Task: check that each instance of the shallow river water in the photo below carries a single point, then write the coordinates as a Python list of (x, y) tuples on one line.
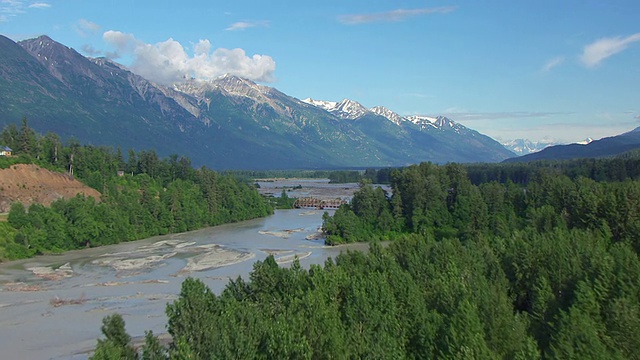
[(51, 307)]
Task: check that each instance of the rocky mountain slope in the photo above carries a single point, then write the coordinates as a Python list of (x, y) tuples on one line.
[(226, 123), (447, 139)]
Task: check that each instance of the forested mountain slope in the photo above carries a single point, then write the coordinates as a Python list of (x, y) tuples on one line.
[(225, 123)]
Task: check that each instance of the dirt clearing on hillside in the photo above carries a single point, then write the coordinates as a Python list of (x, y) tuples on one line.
[(28, 184)]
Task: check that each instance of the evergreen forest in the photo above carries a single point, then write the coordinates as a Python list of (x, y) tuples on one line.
[(465, 262), (142, 196)]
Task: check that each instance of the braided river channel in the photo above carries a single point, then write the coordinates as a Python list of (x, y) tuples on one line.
[(51, 307)]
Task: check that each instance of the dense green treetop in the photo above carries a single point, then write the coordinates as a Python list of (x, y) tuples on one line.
[(545, 268), (142, 196)]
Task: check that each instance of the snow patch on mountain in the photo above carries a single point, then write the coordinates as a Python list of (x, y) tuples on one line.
[(384, 112), (349, 109), (423, 120), (345, 109), (234, 86), (327, 105), (586, 141), (441, 123), (231, 84), (526, 146)]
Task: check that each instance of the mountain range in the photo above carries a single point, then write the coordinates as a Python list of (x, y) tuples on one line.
[(226, 123), (605, 147), (526, 146)]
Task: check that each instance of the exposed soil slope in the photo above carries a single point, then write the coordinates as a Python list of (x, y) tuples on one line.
[(28, 184)]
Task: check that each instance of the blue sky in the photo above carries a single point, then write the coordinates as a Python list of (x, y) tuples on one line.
[(510, 69)]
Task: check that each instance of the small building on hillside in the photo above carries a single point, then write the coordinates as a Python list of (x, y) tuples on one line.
[(5, 151)]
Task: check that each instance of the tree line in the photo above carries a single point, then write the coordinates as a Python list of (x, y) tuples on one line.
[(549, 269), (142, 196), (562, 246), (375, 176), (617, 168)]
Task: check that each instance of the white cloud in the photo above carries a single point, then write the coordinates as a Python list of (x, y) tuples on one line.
[(392, 16), (40, 5), (85, 27), (121, 41), (601, 49), (557, 61), (241, 25), (202, 47), (167, 62), (10, 8), (90, 50)]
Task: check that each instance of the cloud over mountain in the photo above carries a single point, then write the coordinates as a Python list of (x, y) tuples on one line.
[(85, 27), (168, 62)]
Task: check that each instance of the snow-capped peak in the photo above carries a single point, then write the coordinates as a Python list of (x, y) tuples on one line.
[(349, 109), (327, 105), (420, 119), (384, 112), (237, 85), (440, 123), (230, 83), (526, 146), (346, 109), (586, 141)]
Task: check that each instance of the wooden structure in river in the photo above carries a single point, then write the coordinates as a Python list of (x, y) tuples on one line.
[(310, 202)]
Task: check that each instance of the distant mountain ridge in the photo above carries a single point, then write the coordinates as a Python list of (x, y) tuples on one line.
[(349, 109), (229, 122), (609, 146), (526, 146)]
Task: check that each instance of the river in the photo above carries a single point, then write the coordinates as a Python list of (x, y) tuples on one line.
[(51, 307)]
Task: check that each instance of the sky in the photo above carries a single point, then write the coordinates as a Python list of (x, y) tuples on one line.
[(562, 70)]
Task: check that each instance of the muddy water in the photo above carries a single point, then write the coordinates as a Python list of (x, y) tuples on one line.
[(318, 188), (52, 306)]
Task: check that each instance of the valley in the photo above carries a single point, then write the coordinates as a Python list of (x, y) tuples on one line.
[(319, 180), (137, 279), (225, 123)]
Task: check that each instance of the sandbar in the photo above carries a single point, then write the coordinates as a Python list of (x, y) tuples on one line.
[(281, 234)]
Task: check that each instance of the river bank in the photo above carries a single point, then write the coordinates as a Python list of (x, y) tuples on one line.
[(52, 306)]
